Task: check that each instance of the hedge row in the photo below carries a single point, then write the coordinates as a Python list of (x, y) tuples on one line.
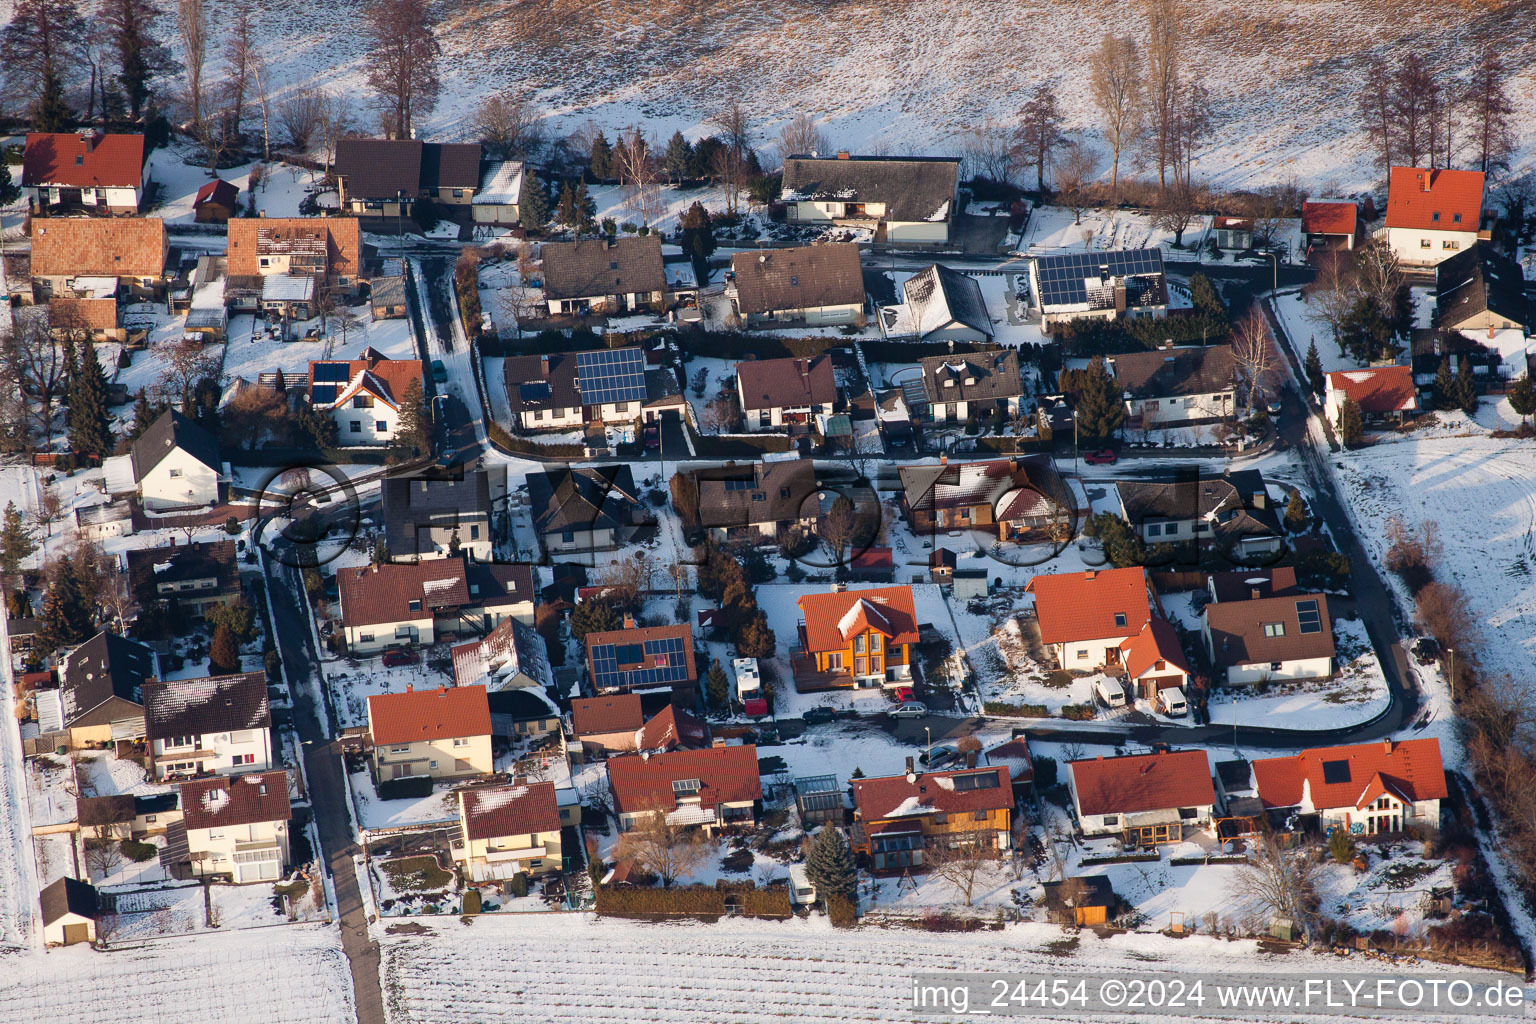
[(1005, 709), (503, 438), (413, 787), (693, 901)]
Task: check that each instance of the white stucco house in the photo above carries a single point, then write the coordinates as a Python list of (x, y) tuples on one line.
[(1366, 789), (1269, 639), (237, 827), (1432, 214), (1145, 799), (220, 725), (1086, 618), (905, 200), (364, 396), (176, 464)]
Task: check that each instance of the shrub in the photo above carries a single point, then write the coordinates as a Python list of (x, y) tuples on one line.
[(1007, 710), (139, 852), (519, 884), (412, 788), (1077, 712), (1341, 846), (273, 663), (232, 526), (842, 912), (1412, 556)]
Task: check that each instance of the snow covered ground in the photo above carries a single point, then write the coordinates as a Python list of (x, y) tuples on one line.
[(1357, 694)]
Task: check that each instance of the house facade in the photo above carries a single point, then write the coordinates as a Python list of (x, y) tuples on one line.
[(70, 910), (1330, 224), (1233, 511), (789, 392), (499, 198), (813, 286), (1432, 214), (94, 171), (564, 390), (388, 177), (855, 639), (604, 276), (176, 464), (1021, 498), (1270, 639), (1145, 799), (220, 725), (757, 501), (1480, 292), (296, 254), (1176, 386), (366, 397), (1085, 618), (654, 660), (584, 508), (714, 788), (115, 256), (1365, 789), (902, 200), (607, 725), (962, 387), (504, 830), (237, 827), (191, 578), (438, 517), (1384, 394), (401, 603), (938, 304), (443, 733), (1123, 283), (1154, 660), (100, 697), (900, 820)]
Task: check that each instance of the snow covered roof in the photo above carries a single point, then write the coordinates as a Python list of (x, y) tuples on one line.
[(501, 184), (94, 287), (287, 288)]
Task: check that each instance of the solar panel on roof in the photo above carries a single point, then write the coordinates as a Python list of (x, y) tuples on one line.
[(534, 391), (1063, 278), (322, 394), (611, 375), (335, 372)]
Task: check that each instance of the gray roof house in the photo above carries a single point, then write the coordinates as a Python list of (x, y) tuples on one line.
[(938, 304), (958, 387), (907, 200), (1233, 510), (1171, 386), (584, 508), (812, 285), (423, 515), (757, 499), (176, 463), (101, 689), (599, 275)]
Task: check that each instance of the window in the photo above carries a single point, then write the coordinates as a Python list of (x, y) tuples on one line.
[(79, 160), (1450, 245), (1423, 243), (941, 819), (380, 426), (835, 661), (1154, 530), (975, 780), (150, 819), (1435, 216), (1274, 629), (365, 638), (405, 632), (1188, 813), (874, 641), (1082, 655), (243, 759), (179, 741), (859, 668), (686, 787), (414, 604), (1111, 819), (1170, 529), (535, 863), (1120, 618), (400, 750), (460, 741), (362, 402), (858, 644), (474, 533), (175, 473), (458, 193), (568, 536), (1274, 666), (978, 815), (432, 765), (1455, 218), (1188, 402), (357, 426), (794, 282)]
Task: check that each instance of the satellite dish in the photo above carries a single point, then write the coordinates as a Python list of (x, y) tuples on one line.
[(911, 777)]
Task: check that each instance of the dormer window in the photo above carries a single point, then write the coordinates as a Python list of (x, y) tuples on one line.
[(414, 604), (1455, 218), (1435, 216)]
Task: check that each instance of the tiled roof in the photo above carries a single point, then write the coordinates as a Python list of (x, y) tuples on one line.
[(450, 165), (169, 431), (67, 313), (643, 783), (594, 266), (1188, 370), (381, 594), (447, 712), (98, 247), (412, 504), (379, 168), (385, 379), (216, 191), (343, 241), (83, 161), (638, 638), (1434, 199), (620, 712), (671, 728), (67, 895), (911, 189), (1378, 389), (937, 296), (1478, 280), (807, 277), (541, 382), (582, 498), (1143, 782), (1156, 642), (1012, 487), (1236, 505), (1342, 776), (1015, 756), (789, 383), (1076, 606), (222, 802), (832, 619), (195, 707), (759, 492), (993, 376), (105, 666), (1237, 630), (1239, 586), (491, 812), (500, 584), (200, 560), (892, 796), (1325, 218)]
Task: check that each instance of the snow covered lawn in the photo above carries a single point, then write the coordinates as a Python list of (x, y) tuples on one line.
[(353, 681), (376, 812), (1357, 694)]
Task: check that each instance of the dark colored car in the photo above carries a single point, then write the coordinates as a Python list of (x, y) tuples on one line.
[(439, 372), (394, 659), (1100, 457), (819, 714)]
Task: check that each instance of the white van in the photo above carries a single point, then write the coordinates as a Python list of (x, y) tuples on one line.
[(801, 892), (1172, 702), (1110, 693)]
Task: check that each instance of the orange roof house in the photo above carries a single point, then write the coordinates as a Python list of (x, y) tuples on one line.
[(849, 636), (1085, 616), (1146, 798), (1366, 787), (1381, 392), (295, 244), (1330, 223), (711, 787), (897, 817), (1154, 659), (99, 171), (441, 733), (121, 247), (1441, 199)]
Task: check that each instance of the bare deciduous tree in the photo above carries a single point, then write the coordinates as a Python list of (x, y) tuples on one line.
[(1333, 292), (1283, 881), (186, 363), (32, 358), (192, 33), (1441, 611), (1076, 169), (301, 116), (1188, 130), (722, 413), (1179, 207), (666, 850), (1165, 41), (1415, 94), (637, 173), (1040, 131), (402, 54), (510, 127), (961, 859), (215, 138), (1490, 111), (989, 152), (1116, 84), (103, 858), (240, 57), (801, 137), (1253, 352), (1375, 109), (337, 125)]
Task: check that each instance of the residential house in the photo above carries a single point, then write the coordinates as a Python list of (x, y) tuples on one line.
[(670, 729), (388, 177), (1145, 799), (111, 256), (1232, 232), (903, 200), (571, 389), (1251, 584), (215, 202), (1384, 394), (811, 286), (1365, 788), (495, 661), (855, 639), (237, 827), (604, 276), (401, 603), (437, 517), (386, 298), (507, 830), (789, 392), (585, 508), (820, 800), (1154, 660), (443, 733), (1085, 618), (70, 909), (283, 264), (1431, 214), (221, 724), (713, 788), (100, 698), (524, 713), (654, 661), (95, 171), (499, 591), (191, 578), (607, 725), (1233, 511), (1479, 292), (1098, 286), (1176, 386), (499, 198), (365, 396), (899, 820), (938, 304), (758, 501), (1269, 639), (176, 464), (959, 388), (82, 319), (154, 815), (1020, 498), (1015, 756), (1330, 223)]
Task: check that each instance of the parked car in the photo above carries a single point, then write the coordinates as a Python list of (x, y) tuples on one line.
[(911, 709), (1425, 650), (818, 715), (903, 695), (439, 371), (1273, 408), (1110, 693), (938, 756), (394, 659), (1171, 702), (1100, 457)]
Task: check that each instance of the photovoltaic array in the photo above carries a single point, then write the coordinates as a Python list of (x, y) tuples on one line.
[(611, 375), (1064, 279)]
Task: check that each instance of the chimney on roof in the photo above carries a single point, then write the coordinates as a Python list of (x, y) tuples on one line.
[(90, 141), (1425, 179), (261, 213), (1386, 744), (718, 741), (629, 622), (909, 766), (943, 460), (1090, 574), (410, 688), (1260, 499), (842, 154), (1256, 593), (442, 690)]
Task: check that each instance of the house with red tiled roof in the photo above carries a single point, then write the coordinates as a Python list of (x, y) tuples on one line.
[(1145, 799), (443, 733), (1432, 214), (1366, 788), (672, 728), (90, 257), (789, 392), (90, 170), (237, 827), (397, 604), (1085, 617), (1154, 660), (365, 396), (1269, 639), (1330, 223), (855, 638), (653, 661), (215, 202), (504, 830), (1385, 394), (606, 725), (711, 788), (898, 819)]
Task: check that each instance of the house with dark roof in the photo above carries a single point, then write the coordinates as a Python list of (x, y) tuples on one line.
[(1176, 386), (855, 638), (1251, 584), (191, 578), (608, 724), (523, 713), (505, 830), (585, 508), (365, 396), (1432, 213), (1015, 756), (1021, 498), (106, 817), (499, 591), (91, 256), (1366, 788), (1145, 799), (1233, 511), (1085, 618), (1383, 394), (401, 603), (387, 177), (100, 695), (176, 464), (713, 788), (443, 733), (603, 275), (220, 725), (938, 304), (496, 661), (757, 501), (1479, 290), (809, 286), (1269, 639), (70, 910), (903, 200), (95, 171), (959, 388), (215, 202), (1127, 283), (437, 517), (1232, 232), (788, 392), (562, 390), (899, 819), (1330, 223), (656, 662), (237, 828)]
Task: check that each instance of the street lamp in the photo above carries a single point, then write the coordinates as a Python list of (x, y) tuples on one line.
[(1274, 264), (1451, 653), (929, 755)]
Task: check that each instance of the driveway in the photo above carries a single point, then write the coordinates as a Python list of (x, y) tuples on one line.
[(980, 236)]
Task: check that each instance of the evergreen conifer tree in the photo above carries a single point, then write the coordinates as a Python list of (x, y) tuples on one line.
[(16, 543), (1446, 395), (533, 211), (223, 652), (90, 432), (1314, 369), (676, 159), (413, 432), (52, 113), (1351, 425), (1466, 388), (1100, 404), (717, 687), (1522, 397), (9, 190), (1295, 513), (829, 865), (66, 620), (601, 158)]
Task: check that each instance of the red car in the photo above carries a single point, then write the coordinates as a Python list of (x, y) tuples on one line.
[(1101, 457), (903, 695), (394, 659)]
